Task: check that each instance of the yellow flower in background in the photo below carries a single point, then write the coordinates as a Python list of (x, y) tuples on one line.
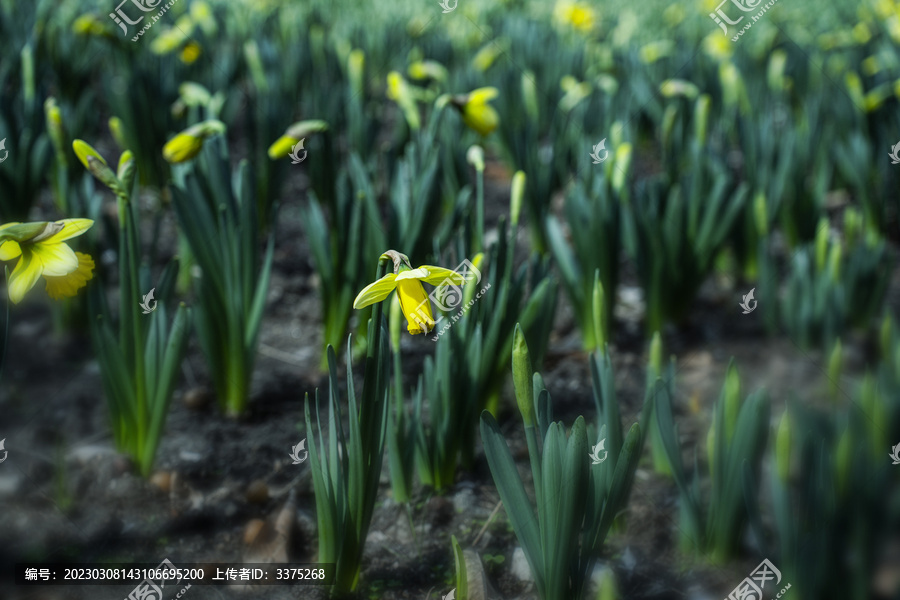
[(190, 53), (284, 145), (90, 24), (402, 93), (188, 144), (578, 16), (476, 112), (42, 252), (408, 283), (717, 46)]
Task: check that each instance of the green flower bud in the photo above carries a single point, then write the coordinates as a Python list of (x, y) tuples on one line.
[(125, 171), (53, 119), (117, 129), (522, 377), (622, 162), (95, 164), (775, 73), (671, 88), (598, 305), (475, 157), (356, 67)]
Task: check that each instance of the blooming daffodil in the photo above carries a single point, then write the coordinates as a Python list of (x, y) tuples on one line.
[(42, 251), (408, 283), (476, 112)]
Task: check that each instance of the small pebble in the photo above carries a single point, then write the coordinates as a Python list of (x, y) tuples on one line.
[(257, 492)]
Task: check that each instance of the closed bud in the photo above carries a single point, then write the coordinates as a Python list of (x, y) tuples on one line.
[(125, 171), (53, 119), (117, 129), (522, 377), (356, 66), (475, 157), (598, 305), (95, 164), (821, 246), (622, 162)]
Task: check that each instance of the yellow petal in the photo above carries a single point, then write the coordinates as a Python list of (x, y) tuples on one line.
[(375, 292), (440, 276), (56, 259), (481, 117), (24, 276), (68, 285), (415, 305), (71, 228), (482, 95), (419, 273), (10, 250)]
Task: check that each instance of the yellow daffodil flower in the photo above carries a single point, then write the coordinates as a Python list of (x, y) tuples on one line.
[(476, 112), (408, 283), (187, 144), (296, 132), (579, 17), (42, 251), (190, 53)]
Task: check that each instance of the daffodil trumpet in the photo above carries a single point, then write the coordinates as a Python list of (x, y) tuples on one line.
[(408, 283), (43, 252), (476, 113)]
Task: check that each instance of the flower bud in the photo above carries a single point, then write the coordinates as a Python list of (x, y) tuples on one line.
[(53, 119), (598, 306), (125, 171), (522, 377), (356, 66), (95, 164), (475, 157), (117, 129)]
